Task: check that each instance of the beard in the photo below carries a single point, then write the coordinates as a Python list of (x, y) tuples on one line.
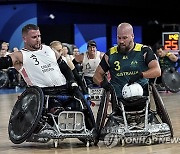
[(35, 47), (122, 48)]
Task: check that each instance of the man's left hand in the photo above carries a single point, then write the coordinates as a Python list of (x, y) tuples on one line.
[(135, 78)]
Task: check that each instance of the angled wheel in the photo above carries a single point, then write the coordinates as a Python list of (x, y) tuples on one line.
[(171, 80), (161, 110), (4, 79), (102, 114), (25, 114)]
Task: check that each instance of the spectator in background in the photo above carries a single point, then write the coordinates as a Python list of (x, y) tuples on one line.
[(65, 53), (75, 51), (5, 46), (89, 60), (4, 49), (3, 53)]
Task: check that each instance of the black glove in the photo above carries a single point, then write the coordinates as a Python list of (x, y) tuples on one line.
[(106, 85), (72, 86), (75, 92), (135, 78)]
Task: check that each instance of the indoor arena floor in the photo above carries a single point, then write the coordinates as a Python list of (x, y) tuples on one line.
[(74, 146)]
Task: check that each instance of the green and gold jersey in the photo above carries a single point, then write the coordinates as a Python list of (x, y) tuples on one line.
[(124, 66), (165, 63)]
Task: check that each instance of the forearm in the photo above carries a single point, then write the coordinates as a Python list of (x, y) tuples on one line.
[(173, 58), (65, 69), (70, 64), (153, 71), (79, 81), (99, 75)]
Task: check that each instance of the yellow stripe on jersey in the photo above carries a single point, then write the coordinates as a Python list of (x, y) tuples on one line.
[(138, 47), (113, 50)]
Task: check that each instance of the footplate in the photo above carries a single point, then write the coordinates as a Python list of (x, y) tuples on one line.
[(71, 121), (156, 133)]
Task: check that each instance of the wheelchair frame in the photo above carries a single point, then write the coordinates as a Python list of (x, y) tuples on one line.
[(116, 129), (40, 125)]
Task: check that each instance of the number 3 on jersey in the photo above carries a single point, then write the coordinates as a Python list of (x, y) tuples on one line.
[(117, 65)]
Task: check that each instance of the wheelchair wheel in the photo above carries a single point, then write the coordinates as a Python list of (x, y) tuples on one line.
[(171, 80), (102, 114), (26, 114), (4, 79), (161, 110)]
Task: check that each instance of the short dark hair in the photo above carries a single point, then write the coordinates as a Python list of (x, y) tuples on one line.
[(159, 46), (91, 43), (29, 27)]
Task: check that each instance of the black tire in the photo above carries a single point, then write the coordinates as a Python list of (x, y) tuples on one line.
[(171, 80), (26, 114), (161, 110), (101, 114)]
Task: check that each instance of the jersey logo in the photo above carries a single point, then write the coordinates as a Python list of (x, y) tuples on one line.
[(134, 62), (125, 57), (88, 66)]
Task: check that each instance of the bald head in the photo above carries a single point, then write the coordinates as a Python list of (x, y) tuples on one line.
[(125, 29), (125, 37)]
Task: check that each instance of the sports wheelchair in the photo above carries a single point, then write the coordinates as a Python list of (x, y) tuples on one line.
[(32, 120), (94, 90), (134, 122)]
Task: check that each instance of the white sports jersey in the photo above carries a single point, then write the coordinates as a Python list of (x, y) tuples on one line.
[(90, 65), (40, 68)]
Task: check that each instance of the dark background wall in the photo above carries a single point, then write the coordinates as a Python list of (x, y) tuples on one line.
[(154, 18)]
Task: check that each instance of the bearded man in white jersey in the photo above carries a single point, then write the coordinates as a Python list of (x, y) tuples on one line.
[(40, 66)]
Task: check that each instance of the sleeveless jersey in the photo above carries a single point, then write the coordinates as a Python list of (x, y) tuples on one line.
[(40, 68), (90, 65), (124, 66)]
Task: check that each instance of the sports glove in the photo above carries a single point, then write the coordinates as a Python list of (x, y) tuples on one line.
[(75, 92), (106, 85), (72, 86), (135, 78)]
